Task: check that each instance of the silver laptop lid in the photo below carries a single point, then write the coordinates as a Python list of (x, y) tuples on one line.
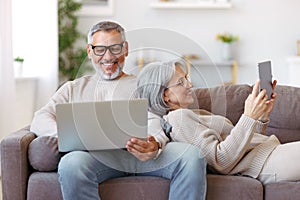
[(100, 125)]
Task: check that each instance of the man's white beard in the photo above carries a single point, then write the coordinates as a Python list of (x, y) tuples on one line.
[(113, 76)]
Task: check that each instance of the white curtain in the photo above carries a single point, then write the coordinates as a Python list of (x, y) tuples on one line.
[(7, 82), (28, 29), (35, 37)]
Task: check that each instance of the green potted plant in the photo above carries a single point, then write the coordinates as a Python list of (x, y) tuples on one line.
[(18, 66), (71, 57), (227, 39), (19, 59)]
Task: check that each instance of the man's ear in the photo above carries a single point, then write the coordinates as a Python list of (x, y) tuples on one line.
[(126, 49), (88, 50)]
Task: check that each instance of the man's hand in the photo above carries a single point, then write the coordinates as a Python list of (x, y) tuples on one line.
[(142, 149)]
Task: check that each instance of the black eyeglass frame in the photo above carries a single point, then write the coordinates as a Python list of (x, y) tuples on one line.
[(109, 48)]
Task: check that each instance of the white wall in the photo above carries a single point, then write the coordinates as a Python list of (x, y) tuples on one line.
[(267, 29)]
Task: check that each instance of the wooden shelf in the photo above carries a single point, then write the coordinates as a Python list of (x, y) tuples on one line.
[(195, 5), (210, 73)]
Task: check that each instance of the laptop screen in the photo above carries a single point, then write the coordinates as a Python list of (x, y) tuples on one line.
[(100, 125)]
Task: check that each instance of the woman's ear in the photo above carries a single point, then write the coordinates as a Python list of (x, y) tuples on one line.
[(166, 97)]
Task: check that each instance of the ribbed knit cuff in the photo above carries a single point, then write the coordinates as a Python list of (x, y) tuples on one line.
[(247, 122), (262, 127)]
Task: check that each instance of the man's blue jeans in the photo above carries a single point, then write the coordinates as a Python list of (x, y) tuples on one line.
[(81, 172)]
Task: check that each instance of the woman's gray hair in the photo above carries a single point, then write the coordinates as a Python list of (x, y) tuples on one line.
[(105, 26), (153, 80)]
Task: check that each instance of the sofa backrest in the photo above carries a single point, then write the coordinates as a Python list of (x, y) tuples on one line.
[(229, 101), (223, 100), (285, 117)]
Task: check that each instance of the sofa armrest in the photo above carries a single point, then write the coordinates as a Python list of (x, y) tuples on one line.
[(15, 168)]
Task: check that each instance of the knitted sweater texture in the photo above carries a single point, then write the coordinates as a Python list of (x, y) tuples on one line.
[(240, 149)]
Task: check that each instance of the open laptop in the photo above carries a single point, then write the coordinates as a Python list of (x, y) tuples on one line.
[(100, 125)]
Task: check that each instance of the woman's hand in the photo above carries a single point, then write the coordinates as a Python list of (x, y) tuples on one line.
[(270, 104), (142, 149), (257, 105)]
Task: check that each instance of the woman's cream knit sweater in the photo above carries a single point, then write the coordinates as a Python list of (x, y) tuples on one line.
[(228, 149)]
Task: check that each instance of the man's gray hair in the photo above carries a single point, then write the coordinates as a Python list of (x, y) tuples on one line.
[(105, 26), (153, 80)]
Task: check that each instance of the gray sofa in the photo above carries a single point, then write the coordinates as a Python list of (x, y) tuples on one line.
[(28, 165)]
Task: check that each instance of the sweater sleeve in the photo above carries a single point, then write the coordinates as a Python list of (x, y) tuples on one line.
[(155, 129), (221, 154), (44, 120)]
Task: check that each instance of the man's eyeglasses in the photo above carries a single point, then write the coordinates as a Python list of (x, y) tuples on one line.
[(183, 81), (115, 49)]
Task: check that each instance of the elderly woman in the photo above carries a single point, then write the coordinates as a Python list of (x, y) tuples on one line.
[(241, 149)]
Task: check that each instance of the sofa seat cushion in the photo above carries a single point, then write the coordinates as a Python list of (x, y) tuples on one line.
[(218, 187), (284, 190), (135, 188), (44, 185), (233, 187), (43, 153)]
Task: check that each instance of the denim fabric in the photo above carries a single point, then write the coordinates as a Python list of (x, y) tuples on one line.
[(80, 172)]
